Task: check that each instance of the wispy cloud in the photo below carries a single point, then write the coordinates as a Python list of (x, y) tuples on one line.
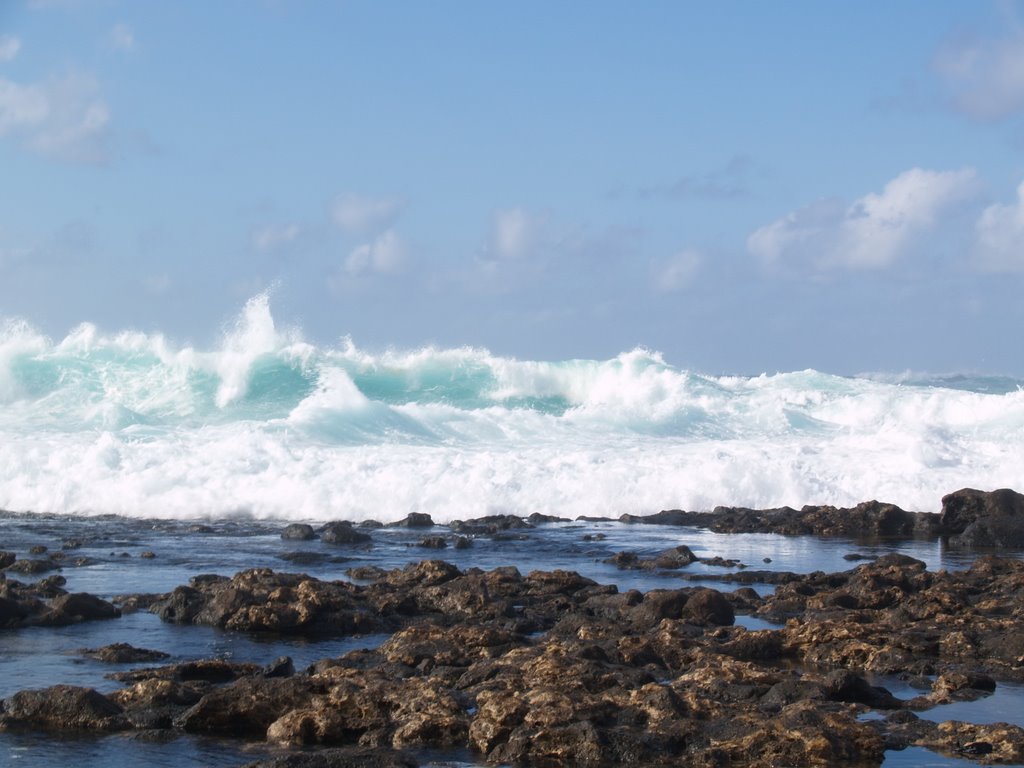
[(269, 239), (516, 234), (64, 118), (725, 183), (122, 37), (874, 232), (361, 215), (1000, 236), (984, 76), (385, 254), (9, 47), (676, 272)]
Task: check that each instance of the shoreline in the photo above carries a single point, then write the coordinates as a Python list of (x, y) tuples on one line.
[(550, 666)]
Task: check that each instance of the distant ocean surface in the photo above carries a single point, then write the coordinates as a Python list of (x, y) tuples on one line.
[(270, 426)]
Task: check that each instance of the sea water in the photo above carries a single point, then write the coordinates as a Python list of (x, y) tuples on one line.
[(269, 425), (122, 443)]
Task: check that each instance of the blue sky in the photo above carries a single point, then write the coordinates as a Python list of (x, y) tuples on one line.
[(743, 186)]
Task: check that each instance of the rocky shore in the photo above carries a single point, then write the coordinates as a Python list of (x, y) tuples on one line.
[(552, 668)]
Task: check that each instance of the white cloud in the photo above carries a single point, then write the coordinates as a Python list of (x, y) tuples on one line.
[(272, 238), (385, 254), (874, 232), (359, 215), (985, 77), (677, 272), (63, 118), (1000, 236), (158, 284), (122, 37), (515, 233), (9, 47)]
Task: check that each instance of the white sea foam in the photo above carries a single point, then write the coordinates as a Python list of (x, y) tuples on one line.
[(269, 425)]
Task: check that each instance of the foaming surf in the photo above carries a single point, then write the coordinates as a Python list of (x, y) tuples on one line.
[(270, 425)]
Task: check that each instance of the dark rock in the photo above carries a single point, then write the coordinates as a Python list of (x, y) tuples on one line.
[(71, 544), (975, 518), (298, 532), (282, 666), (260, 600), (63, 707), (245, 707), (303, 557), (38, 549), (677, 557), (463, 542), (708, 606), (676, 517), (123, 653), (201, 671), (844, 685), (366, 573), (6, 558), (414, 520), (488, 526), (29, 567), (147, 555), (432, 542), (536, 518), (340, 757), (343, 533), (77, 607)]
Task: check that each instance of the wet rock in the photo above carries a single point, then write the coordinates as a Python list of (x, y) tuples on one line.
[(343, 533), (38, 549), (123, 653), (670, 559), (298, 532), (29, 567), (62, 708), (488, 526), (536, 518), (265, 601), (303, 557), (147, 555), (675, 517), (432, 542), (677, 557), (6, 559), (366, 572), (844, 685), (463, 542), (995, 743), (708, 607), (414, 520), (203, 671), (246, 707), (282, 666), (78, 607), (341, 757), (973, 518), (720, 562)]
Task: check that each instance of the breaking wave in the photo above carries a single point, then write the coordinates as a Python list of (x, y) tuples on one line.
[(270, 425)]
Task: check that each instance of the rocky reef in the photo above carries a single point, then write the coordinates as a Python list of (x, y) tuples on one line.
[(550, 668)]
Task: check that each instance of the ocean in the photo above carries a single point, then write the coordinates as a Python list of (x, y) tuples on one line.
[(153, 462), (266, 425)]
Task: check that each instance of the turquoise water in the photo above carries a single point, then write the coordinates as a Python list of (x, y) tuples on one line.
[(269, 425)]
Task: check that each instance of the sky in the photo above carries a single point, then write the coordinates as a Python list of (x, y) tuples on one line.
[(745, 187)]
